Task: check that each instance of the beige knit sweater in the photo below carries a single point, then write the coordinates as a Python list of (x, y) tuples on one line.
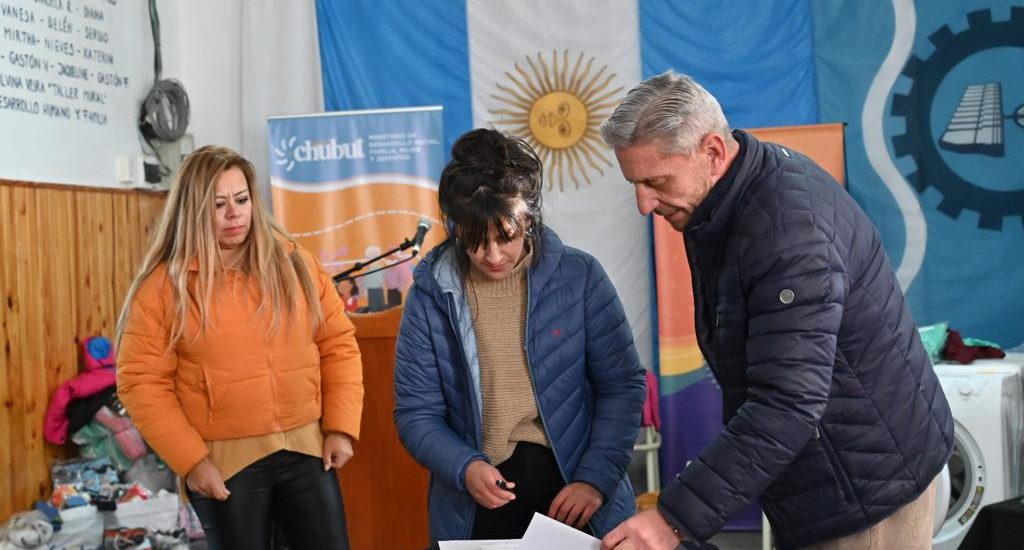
[(509, 404)]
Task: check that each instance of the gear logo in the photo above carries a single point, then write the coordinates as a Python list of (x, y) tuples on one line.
[(956, 127), (283, 153)]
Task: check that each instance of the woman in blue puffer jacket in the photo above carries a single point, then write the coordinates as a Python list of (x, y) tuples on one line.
[(517, 383)]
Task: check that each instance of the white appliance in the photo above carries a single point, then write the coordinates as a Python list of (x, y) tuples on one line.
[(986, 467)]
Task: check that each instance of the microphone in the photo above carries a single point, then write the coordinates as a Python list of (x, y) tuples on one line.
[(414, 243), (421, 232)]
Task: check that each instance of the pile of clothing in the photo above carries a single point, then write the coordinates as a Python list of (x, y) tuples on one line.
[(118, 494), (945, 344), (87, 408)]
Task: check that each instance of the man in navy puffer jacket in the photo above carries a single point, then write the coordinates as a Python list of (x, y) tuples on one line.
[(834, 416)]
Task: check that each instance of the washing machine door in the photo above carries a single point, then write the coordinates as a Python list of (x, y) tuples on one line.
[(942, 490), (966, 469)]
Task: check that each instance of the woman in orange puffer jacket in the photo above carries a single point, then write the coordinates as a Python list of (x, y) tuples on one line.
[(238, 365)]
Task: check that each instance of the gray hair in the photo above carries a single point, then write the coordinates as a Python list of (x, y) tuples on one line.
[(670, 107)]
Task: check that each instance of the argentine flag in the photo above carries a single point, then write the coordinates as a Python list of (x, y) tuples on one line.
[(548, 72), (551, 73)]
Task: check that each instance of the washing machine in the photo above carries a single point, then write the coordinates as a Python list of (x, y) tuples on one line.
[(985, 398)]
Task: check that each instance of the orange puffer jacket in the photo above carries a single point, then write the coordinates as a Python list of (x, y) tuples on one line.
[(231, 380)]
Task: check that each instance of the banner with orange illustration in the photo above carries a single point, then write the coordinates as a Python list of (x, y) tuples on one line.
[(680, 360), (351, 185), (689, 394)]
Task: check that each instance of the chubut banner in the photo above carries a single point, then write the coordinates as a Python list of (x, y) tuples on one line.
[(350, 185)]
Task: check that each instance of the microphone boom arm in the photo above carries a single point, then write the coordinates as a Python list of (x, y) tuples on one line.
[(350, 273)]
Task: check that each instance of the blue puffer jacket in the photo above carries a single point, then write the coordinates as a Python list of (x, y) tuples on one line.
[(587, 379), (835, 417)]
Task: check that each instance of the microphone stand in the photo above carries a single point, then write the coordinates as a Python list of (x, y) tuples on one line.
[(347, 275)]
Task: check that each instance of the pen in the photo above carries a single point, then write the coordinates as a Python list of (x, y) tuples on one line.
[(501, 483)]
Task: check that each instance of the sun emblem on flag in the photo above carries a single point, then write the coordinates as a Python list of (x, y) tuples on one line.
[(557, 109)]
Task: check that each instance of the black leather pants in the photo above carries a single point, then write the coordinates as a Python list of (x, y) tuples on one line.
[(289, 489), (533, 469)]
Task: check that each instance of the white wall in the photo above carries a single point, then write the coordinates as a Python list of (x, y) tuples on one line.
[(71, 81), (202, 47), (236, 79)]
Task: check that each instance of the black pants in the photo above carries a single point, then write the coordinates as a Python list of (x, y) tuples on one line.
[(533, 469), (286, 488)]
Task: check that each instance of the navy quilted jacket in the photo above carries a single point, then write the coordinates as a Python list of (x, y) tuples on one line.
[(587, 378), (834, 416)]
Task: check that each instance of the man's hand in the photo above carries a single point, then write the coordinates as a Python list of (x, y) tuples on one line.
[(482, 482), (337, 450), (644, 531), (575, 503), (205, 479)]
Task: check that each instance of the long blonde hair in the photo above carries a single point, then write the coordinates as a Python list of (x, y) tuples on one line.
[(186, 234)]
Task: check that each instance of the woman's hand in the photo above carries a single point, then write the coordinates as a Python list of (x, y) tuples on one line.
[(482, 482), (205, 479), (575, 503), (337, 450)]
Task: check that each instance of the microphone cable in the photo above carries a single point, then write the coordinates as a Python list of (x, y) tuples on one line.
[(165, 111)]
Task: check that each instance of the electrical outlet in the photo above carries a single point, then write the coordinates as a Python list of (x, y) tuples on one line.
[(123, 168), (128, 169)]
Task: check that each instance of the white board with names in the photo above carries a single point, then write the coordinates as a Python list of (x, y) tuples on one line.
[(72, 76)]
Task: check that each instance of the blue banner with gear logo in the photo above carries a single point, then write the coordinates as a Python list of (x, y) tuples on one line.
[(933, 96)]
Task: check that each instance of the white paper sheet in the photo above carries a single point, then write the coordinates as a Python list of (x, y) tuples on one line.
[(543, 533), (509, 544)]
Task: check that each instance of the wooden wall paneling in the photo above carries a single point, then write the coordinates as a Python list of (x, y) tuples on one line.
[(19, 331), (124, 230), (30, 266), (151, 207), (56, 215), (8, 447), (14, 216), (59, 283), (95, 246), (153, 210), (67, 256), (146, 209)]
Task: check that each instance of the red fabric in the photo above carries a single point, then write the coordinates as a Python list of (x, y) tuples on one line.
[(956, 350), (55, 425), (652, 417)]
